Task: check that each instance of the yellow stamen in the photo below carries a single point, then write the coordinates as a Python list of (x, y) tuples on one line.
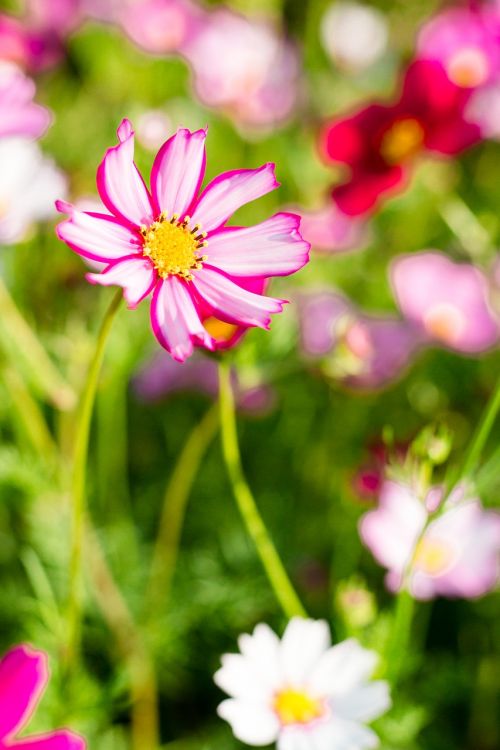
[(432, 556), (469, 67), (297, 707), (172, 247), (402, 141), (445, 322), (219, 330)]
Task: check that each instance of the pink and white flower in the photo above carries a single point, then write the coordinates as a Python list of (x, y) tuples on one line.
[(455, 555), (300, 691), (19, 114), (331, 231), (447, 301), (175, 244), (160, 27), (24, 675)]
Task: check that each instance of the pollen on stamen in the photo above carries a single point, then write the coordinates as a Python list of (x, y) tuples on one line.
[(172, 247)]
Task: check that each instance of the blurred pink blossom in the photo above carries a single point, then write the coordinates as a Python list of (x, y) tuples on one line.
[(363, 351), (353, 34), (447, 301), (162, 377), (160, 26), (23, 677), (19, 114), (244, 67), (456, 555), (466, 42), (329, 230)]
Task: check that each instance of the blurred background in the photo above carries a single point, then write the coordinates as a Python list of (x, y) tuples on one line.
[(349, 374)]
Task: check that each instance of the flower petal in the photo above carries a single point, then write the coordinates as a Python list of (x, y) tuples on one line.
[(23, 676), (96, 236), (228, 192), (232, 303), (136, 275), (178, 171), (60, 740), (303, 644), (272, 248), (342, 668), (175, 320), (252, 723), (364, 703), (120, 184)]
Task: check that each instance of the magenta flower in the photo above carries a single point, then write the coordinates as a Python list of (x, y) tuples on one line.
[(447, 301), (329, 230), (19, 115), (456, 555), (465, 41), (160, 26), (23, 676), (174, 244)]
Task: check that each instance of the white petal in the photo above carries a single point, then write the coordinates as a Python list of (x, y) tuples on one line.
[(342, 668), (251, 723), (364, 703), (304, 643)]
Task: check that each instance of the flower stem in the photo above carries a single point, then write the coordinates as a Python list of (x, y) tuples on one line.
[(28, 352), (174, 508), (278, 578), (79, 471), (481, 435), (400, 635)]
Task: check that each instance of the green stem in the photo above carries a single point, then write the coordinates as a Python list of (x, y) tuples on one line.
[(28, 352), (78, 485), (278, 578), (481, 434), (400, 635), (174, 508)]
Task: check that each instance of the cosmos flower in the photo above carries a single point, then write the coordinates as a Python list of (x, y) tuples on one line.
[(244, 67), (447, 301), (465, 41), (379, 143), (174, 243), (159, 26), (19, 114), (29, 184), (162, 377), (362, 351), (23, 677), (456, 555), (300, 691)]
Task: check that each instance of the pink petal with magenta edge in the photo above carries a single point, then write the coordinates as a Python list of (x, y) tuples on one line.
[(232, 303), (228, 192), (136, 275), (272, 248), (60, 740), (23, 677), (175, 319), (178, 171), (96, 236), (120, 184)]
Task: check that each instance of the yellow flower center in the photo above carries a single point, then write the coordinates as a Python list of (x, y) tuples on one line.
[(297, 707), (432, 556), (219, 330), (174, 248), (468, 67), (402, 141), (445, 322)]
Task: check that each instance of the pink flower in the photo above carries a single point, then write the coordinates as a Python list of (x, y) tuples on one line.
[(456, 555), (362, 351), (245, 68), (19, 115), (160, 26), (23, 676), (329, 230), (447, 301), (465, 41), (173, 242)]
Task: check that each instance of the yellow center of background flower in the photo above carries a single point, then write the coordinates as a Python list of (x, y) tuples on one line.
[(402, 141), (445, 322), (432, 556), (297, 707), (174, 248), (469, 67)]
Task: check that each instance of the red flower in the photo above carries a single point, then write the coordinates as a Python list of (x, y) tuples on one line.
[(380, 142)]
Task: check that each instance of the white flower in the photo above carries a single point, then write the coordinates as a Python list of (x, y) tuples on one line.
[(300, 691), (29, 185), (354, 35)]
